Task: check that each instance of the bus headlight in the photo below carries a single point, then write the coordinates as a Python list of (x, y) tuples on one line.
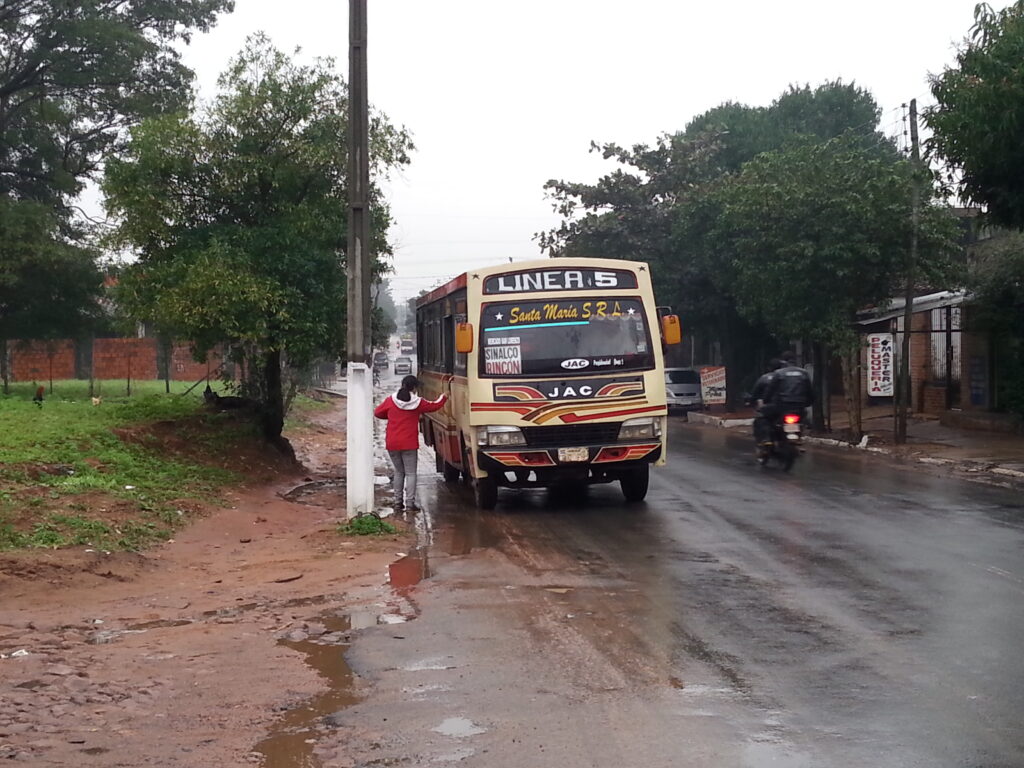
[(500, 436), (647, 427)]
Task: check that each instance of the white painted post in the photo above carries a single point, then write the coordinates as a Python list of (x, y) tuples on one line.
[(359, 441)]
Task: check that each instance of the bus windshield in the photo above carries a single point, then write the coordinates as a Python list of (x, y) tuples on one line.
[(537, 338)]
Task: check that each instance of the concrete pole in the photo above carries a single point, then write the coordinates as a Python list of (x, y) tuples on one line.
[(906, 394), (359, 437)]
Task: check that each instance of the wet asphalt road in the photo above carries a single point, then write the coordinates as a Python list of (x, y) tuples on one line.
[(848, 614)]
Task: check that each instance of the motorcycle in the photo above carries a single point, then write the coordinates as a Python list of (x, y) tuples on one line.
[(787, 439)]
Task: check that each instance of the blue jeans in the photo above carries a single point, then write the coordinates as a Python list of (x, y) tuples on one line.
[(405, 476)]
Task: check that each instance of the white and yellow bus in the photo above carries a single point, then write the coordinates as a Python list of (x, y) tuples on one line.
[(556, 374)]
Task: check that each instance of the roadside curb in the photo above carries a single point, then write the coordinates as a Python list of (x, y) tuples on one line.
[(974, 468), (715, 421)]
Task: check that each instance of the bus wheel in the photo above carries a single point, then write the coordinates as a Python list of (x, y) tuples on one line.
[(634, 485), (451, 474), (485, 492)]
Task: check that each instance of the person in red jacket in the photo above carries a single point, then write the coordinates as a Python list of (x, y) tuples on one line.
[(402, 411)]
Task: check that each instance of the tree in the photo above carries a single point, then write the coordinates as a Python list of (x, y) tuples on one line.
[(74, 75), (384, 322), (997, 285), (977, 119), (661, 205), (237, 216), (48, 286), (820, 231)]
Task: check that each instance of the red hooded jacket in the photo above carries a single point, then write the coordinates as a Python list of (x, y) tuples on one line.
[(403, 419)]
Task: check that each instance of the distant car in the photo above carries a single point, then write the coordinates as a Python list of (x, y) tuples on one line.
[(380, 361), (403, 366), (407, 348), (682, 388)]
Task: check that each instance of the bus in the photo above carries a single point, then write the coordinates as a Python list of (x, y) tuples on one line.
[(555, 372)]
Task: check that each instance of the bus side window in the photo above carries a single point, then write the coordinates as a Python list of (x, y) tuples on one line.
[(448, 344)]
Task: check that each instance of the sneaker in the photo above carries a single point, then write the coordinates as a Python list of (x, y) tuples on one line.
[(413, 507), (398, 506)]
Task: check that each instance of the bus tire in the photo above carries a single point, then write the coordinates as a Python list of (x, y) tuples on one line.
[(451, 474), (634, 485), (485, 492)]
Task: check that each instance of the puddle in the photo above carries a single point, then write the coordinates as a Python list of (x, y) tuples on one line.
[(409, 570), (291, 742), (428, 665), (459, 728), (465, 530), (232, 611), (318, 493), (104, 636), (160, 624)]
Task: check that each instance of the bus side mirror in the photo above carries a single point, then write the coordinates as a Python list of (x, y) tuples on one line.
[(464, 338), (670, 330)]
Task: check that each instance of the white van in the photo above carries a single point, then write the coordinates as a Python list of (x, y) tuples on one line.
[(682, 388)]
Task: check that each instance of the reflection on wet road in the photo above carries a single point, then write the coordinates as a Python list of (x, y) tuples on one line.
[(848, 614)]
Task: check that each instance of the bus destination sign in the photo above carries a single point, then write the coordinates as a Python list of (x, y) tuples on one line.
[(560, 280)]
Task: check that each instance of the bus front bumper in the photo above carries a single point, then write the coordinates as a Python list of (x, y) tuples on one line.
[(596, 463)]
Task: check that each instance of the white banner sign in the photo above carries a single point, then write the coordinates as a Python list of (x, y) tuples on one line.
[(712, 385), (881, 362), (504, 360)]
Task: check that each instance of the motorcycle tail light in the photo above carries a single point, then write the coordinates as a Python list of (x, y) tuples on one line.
[(791, 418)]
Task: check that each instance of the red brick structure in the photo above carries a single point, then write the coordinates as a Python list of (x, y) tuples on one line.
[(920, 359), (184, 366), (42, 360), (135, 358), (927, 386), (124, 358)]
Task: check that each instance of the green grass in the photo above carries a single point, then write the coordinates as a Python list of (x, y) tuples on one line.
[(303, 409), (69, 531), (366, 525), (69, 447), (108, 389)]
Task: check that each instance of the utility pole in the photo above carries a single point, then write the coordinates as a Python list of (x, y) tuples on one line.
[(904, 394), (359, 426)]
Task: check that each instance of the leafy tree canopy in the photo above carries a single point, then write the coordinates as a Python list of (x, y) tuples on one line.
[(688, 205), (801, 114), (659, 205), (979, 115), (74, 74), (237, 213), (48, 285), (820, 231)]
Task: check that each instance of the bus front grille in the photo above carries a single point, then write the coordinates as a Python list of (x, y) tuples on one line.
[(571, 434)]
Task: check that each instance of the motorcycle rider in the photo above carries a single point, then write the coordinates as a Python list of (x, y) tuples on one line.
[(789, 391), (765, 412)]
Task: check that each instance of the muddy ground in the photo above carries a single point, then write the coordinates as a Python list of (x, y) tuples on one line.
[(215, 648)]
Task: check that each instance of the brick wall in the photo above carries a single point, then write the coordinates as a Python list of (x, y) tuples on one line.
[(933, 399), (184, 366), (920, 361), (124, 358), (111, 358), (31, 361)]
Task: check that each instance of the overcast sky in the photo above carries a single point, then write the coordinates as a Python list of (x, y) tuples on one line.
[(502, 96)]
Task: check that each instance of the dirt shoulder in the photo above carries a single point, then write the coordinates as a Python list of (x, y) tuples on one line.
[(171, 656)]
